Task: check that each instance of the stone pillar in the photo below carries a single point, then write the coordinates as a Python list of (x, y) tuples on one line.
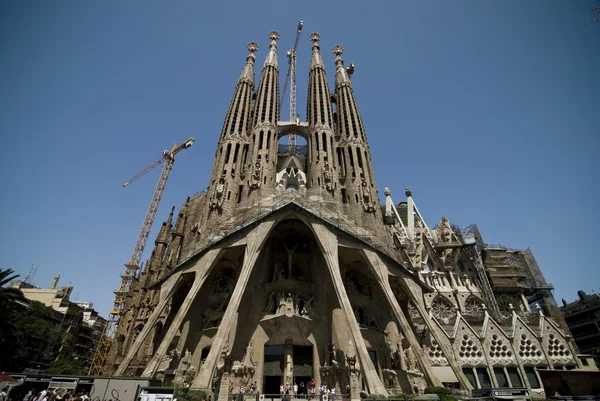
[(254, 243), (144, 333), (380, 270), (329, 246), (203, 268), (288, 375), (224, 387), (377, 268)]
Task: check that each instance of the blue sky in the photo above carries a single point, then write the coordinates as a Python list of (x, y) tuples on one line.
[(488, 111)]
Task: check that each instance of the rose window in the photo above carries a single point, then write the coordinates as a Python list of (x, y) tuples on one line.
[(474, 307), (443, 310)]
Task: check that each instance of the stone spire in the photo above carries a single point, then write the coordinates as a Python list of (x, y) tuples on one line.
[(323, 171), (160, 246), (357, 174), (261, 167), (232, 146)]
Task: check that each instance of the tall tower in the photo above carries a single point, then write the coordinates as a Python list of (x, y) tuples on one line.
[(224, 187), (262, 166), (357, 172), (323, 171)]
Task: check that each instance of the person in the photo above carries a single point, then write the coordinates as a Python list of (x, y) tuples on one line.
[(296, 388), (281, 392), (28, 395), (253, 388), (286, 396), (333, 393), (415, 388), (3, 394)]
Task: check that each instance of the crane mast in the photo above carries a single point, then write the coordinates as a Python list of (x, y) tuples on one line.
[(132, 267), (291, 78)]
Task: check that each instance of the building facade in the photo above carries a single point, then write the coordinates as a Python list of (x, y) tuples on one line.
[(289, 269), (81, 326), (583, 319)]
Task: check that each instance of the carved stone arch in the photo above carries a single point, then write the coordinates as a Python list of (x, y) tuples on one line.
[(443, 310), (136, 332)]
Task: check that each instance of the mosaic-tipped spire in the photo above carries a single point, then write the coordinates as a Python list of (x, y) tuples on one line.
[(316, 60), (272, 55), (341, 75), (247, 74)]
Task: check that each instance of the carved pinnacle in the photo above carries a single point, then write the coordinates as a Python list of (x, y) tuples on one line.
[(252, 47), (315, 37), (337, 50), (274, 35)]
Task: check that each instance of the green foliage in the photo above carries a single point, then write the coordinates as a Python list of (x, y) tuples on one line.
[(64, 367), (8, 294), (28, 337), (187, 394), (444, 393), (402, 397)]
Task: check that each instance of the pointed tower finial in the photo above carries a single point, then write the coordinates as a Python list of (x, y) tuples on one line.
[(316, 60), (272, 56)]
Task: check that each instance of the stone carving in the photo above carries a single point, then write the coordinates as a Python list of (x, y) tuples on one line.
[(356, 288), (257, 176), (278, 272), (328, 183), (212, 316), (444, 231), (168, 361), (367, 199), (218, 197), (410, 360), (290, 253), (224, 363), (290, 305), (417, 255), (185, 370), (223, 285), (370, 322)]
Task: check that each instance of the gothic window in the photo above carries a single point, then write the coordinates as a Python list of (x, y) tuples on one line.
[(532, 377), (137, 332), (228, 153), (484, 377), (461, 266), (501, 377), (430, 265), (443, 310), (515, 377)]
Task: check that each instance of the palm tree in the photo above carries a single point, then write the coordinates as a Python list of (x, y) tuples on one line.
[(8, 294)]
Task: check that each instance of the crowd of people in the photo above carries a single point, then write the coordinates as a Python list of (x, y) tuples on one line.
[(52, 394)]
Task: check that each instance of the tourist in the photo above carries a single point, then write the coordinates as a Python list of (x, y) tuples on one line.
[(281, 392), (295, 389), (28, 395)]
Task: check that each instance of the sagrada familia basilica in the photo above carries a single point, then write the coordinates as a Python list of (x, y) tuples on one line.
[(288, 269)]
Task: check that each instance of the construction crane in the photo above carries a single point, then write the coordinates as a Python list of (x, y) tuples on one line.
[(291, 78), (132, 267), (29, 277)]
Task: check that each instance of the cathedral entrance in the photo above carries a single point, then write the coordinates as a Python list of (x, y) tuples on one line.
[(273, 368), (303, 367)]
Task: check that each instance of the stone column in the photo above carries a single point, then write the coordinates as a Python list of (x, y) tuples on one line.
[(254, 243), (145, 331), (288, 375), (329, 246), (380, 270), (224, 387), (203, 268)]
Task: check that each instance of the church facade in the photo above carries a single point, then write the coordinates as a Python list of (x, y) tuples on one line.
[(288, 269)]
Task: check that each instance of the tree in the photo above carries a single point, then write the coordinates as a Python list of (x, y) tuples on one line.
[(8, 294), (65, 367)]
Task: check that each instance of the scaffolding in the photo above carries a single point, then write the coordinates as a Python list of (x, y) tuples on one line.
[(470, 236)]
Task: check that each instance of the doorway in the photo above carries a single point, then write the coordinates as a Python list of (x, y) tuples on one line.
[(271, 385), (273, 369)]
